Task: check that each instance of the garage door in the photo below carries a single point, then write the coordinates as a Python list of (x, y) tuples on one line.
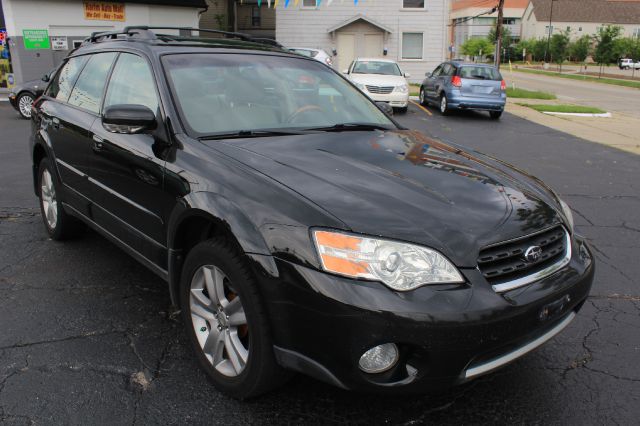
[(373, 45), (346, 50)]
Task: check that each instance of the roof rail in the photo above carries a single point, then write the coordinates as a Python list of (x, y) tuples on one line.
[(113, 35), (230, 34)]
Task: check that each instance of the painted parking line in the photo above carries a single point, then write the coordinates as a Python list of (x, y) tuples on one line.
[(422, 108)]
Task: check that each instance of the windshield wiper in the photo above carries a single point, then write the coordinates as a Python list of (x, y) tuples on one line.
[(250, 134), (351, 127)]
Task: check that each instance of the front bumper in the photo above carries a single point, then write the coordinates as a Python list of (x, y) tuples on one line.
[(396, 100), (13, 100), (446, 335)]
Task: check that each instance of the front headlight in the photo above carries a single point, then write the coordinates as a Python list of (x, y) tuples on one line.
[(400, 266), (566, 210), (403, 88)]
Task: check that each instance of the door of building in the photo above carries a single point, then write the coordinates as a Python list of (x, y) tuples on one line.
[(346, 50), (373, 45)]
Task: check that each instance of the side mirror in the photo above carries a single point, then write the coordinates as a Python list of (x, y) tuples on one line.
[(345, 71), (128, 119), (385, 107), (46, 78), (428, 74), (407, 75)]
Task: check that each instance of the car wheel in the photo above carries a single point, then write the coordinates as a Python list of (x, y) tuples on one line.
[(495, 114), (444, 105), (226, 322), (24, 103), (59, 225), (423, 97)]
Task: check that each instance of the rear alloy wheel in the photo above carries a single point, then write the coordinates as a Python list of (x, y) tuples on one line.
[(24, 105), (59, 225), (423, 97), (495, 114), (226, 322), (444, 105)]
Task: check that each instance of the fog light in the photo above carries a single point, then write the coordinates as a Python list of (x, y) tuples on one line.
[(379, 359)]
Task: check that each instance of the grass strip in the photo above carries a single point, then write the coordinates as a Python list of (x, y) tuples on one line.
[(614, 82), (529, 94), (579, 109)]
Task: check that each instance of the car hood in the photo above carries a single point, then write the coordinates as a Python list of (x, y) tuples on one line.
[(378, 80), (406, 186)]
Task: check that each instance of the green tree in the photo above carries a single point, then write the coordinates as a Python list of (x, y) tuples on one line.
[(622, 47), (559, 48), (477, 47), (539, 48), (606, 38), (579, 49)]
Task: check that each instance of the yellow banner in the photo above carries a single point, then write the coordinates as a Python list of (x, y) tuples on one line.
[(103, 11)]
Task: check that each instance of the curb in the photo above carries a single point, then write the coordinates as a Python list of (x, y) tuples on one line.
[(576, 114)]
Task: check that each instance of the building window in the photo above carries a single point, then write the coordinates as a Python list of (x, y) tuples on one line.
[(568, 28), (309, 3), (413, 4), (255, 16), (636, 33), (412, 45), (509, 21), (546, 29), (579, 28)]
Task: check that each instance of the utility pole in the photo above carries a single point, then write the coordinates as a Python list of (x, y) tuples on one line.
[(546, 52), (496, 55)]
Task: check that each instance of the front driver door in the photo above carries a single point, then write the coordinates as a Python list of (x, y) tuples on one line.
[(129, 168)]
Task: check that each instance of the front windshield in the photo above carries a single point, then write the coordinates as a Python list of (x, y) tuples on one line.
[(376, 67), (224, 93)]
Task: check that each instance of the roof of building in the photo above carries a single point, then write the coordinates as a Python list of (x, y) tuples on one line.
[(185, 3), (356, 18), (465, 4), (600, 11)]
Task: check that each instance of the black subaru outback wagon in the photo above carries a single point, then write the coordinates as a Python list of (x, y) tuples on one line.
[(298, 226)]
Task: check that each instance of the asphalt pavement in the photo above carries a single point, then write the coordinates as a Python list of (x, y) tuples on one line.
[(88, 336)]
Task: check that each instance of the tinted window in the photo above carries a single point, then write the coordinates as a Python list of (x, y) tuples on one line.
[(479, 73), (132, 83), (61, 86), (410, 4), (88, 90), (437, 71), (230, 93)]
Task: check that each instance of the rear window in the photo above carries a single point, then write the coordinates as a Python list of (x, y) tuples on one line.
[(479, 73)]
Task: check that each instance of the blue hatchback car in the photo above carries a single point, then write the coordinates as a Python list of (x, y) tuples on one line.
[(457, 85)]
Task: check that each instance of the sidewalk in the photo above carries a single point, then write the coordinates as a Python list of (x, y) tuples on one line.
[(620, 131)]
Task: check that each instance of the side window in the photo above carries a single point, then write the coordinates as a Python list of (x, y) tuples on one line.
[(88, 90), (447, 70), (437, 71), (132, 83), (61, 86)]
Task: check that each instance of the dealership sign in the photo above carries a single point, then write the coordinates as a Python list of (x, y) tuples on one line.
[(36, 39), (103, 11)]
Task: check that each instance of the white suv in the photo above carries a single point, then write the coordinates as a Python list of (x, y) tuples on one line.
[(626, 64)]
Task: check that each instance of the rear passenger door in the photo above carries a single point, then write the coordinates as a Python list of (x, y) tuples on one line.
[(128, 168), (77, 90)]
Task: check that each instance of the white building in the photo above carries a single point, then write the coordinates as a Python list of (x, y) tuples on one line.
[(42, 32), (580, 17), (412, 32), (466, 22)]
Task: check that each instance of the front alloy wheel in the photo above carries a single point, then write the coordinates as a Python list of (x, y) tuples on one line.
[(59, 225), (219, 321), (423, 98), (24, 105)]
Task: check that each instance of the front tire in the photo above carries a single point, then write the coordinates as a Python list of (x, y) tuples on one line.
[(226, 321), (24, 103), (423, 97), (59, 225)]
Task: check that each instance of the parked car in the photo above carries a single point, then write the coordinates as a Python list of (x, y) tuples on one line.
[(22, 95), (626, 64), (382, 80), (299, 227), (317, 54), (455, 85)]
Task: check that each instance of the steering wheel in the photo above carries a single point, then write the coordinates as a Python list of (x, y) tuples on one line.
[(302, 110)]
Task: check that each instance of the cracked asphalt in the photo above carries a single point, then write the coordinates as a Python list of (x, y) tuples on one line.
[(88, 336)]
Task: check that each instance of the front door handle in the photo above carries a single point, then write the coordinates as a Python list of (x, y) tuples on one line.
[(98, 143)]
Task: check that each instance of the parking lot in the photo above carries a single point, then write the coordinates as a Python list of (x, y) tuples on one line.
[(88, 335)]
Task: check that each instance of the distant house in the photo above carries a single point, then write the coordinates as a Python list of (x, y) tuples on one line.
[(580, 17), (466, 24), (243, 16), (412, 32)]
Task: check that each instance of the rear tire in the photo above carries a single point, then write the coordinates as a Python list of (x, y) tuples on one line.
[(495, 115), (59, 224), (444, 105), (423, 97), (226, 321)]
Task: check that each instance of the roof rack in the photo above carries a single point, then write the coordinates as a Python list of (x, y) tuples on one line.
[(229, 34)]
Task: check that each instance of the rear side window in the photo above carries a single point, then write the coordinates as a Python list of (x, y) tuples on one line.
[(61, 86), (479, 73), (88, 90), (132, 83)]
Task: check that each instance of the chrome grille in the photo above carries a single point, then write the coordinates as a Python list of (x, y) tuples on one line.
[(503, 262), (380, 90)]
